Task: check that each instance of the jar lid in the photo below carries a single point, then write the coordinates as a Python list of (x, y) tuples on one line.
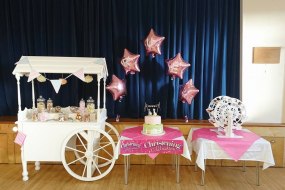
[(41, 99), (90, 100)]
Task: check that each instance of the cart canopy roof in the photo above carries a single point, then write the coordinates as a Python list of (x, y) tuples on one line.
[(42, 64)]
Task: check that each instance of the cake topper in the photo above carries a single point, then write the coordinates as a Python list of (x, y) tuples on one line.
[(152, 109), (149, 112)]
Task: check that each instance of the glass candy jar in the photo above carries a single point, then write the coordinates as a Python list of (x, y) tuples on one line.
[(41, 106), (35, 115), (90, 105), (82, 105), (49, 105)]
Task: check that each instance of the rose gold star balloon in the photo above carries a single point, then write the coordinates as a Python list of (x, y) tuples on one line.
[(152, 43), (130, 62), (117, 87), (187, 92), (177, 66)]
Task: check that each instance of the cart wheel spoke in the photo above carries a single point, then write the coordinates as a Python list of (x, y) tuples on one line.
[(109, 131), (84, 135), (103, 158), (114, 131), (102, 143), (97, 168), (106, 152), (74, 149), (81, 141), (106, 132), (75, 160), (85, 166), (80, 145), (101, 147)]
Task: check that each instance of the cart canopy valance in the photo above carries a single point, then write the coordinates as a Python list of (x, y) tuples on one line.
[(42, 64)]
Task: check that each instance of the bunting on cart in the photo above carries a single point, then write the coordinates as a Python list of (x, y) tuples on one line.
[(20, 138), (56, 84), (80, 74), (33, 74), (24, 60)]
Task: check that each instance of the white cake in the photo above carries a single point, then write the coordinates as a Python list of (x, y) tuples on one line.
[(152, 125)]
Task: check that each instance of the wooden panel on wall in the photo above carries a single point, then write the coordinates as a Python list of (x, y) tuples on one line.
[(7, 136), (266, 55), (137, 159), (277, 145), (17, 150), (3, 148), (11, 150)]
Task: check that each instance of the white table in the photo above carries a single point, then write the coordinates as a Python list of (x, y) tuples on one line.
[(259, 151), (185, 154)]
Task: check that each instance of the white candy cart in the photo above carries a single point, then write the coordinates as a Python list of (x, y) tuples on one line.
[(86, 149)]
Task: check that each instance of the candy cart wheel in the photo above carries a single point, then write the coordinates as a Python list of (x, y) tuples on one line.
[(95, 149), (110, 130)]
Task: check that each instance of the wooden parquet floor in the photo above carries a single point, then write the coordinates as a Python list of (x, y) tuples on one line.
[(143, 177)]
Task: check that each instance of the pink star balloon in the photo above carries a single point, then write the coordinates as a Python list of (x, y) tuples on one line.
[(177, 66), (117, 87), (187, 92), (152, 43), (130, 62)]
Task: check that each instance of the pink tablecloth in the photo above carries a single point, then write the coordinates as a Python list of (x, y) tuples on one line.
[(134, 142), (234, 147)]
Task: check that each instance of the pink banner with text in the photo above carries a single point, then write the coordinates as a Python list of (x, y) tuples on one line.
[(138, 143), (152, 146)]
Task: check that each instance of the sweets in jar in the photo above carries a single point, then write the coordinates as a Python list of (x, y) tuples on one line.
[(82, 105), (90, 105), (41, 106), (49, 105)]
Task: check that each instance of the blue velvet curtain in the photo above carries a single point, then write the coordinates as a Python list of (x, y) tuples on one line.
[(206, 32)]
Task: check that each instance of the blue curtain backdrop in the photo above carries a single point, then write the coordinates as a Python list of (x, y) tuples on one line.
[(206, 32)]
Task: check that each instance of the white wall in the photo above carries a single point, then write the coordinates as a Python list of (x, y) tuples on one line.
[(263, 91)]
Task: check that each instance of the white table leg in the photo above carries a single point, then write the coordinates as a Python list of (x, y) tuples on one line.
[(257, 173), (126, 165), (173, 161), (196, 164), (129, 161), (203, 178), (177, 164), (203, 174), (24, 165), (37, 165), (243, 166)]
